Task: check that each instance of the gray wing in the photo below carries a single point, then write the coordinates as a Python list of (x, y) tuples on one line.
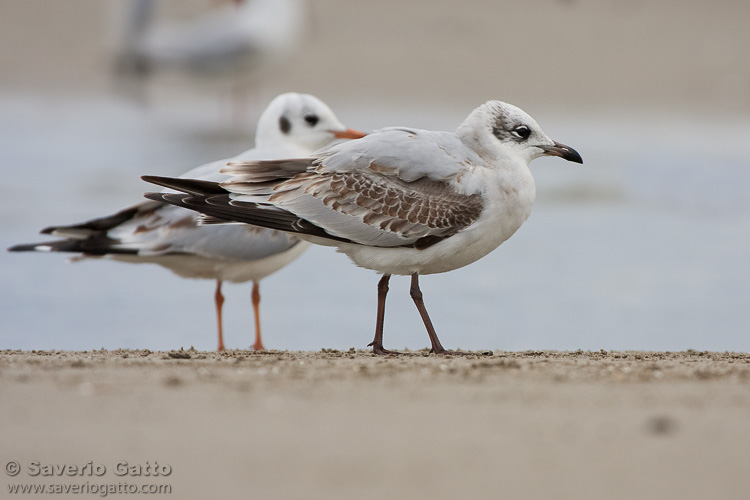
[(408, 154), (395, 187), (173, 230), (153, 229)]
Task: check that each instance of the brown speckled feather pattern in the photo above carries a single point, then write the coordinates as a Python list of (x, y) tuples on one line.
[(412, 209)]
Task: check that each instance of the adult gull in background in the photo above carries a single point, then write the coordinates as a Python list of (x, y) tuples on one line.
[(293, 125)]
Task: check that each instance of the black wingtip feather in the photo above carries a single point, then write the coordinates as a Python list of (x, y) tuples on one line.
[(190, 186), (49, 246), (101, 224), (91, 246), (218, 205), (153, 196), (23, 248)]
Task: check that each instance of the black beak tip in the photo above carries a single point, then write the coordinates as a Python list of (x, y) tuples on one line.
[(564, 152), (574, 156)]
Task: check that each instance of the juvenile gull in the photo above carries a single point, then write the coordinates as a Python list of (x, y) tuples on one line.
[(400, 201), (160, 233)]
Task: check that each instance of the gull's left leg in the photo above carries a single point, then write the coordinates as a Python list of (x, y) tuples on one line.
[(437, 348), (258, 346), (416, 295)]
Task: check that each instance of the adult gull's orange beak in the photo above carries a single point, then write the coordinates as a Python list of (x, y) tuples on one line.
[(348, 134)]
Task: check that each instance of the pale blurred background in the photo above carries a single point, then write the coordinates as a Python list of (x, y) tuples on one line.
[(643, 247)]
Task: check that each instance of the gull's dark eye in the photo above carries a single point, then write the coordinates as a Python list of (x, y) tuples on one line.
[(312, 120), (521, 132)]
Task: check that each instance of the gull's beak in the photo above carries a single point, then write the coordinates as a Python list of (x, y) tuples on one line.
[(563, 151), (348, 134)]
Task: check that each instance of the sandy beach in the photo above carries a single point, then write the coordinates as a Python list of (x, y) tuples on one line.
[(346, 424)]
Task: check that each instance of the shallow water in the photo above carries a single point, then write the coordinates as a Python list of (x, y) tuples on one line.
[(643, 247)]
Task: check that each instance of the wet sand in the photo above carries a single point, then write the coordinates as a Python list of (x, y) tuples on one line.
[(346, 424)]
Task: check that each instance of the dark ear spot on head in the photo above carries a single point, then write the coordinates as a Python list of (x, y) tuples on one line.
[(285, 125), (499, 133), (501, 127)]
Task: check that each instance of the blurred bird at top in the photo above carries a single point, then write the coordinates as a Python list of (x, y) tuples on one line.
[(232, 37)]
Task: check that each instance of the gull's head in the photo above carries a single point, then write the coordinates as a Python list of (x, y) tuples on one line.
[(505, 132), (300, 122)]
